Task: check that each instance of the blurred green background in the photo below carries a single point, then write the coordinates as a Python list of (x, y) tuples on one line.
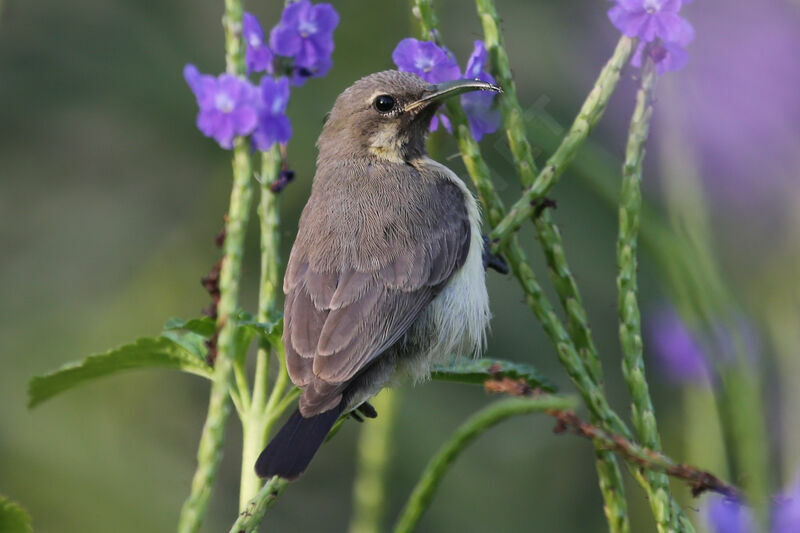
[(111, 198)]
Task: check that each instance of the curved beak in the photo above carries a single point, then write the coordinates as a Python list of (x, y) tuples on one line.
[(440, 91)]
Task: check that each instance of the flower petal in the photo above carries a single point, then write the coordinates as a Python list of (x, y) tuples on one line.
[(477, 61)]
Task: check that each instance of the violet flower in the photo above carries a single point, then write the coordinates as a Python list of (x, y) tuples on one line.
[(725, 515), (667, 57), (730, 516), (662, 33), (650, 19), (786, 512), (228, 105), (305, 33), (430, 62), (436, 64), (482, 117), (258, 56), (273, 124), (676, 349)]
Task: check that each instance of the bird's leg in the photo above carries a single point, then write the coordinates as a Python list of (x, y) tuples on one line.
[(493, 261), (355, 416)]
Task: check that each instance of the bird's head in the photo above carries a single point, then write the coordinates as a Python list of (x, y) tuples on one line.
[(386, 115)]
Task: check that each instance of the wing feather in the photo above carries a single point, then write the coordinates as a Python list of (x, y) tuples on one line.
[(341, 315)]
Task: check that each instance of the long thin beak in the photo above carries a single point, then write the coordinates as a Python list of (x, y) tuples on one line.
[(440, 91)]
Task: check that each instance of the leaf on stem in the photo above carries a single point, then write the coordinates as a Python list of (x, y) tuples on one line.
[(13, 518), (160, 352), (482, 370)]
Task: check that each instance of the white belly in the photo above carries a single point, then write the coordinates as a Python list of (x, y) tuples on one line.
[(457, 319)]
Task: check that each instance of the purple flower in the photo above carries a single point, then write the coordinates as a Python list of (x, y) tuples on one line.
[(305, 33), (427, 60), (729, 516), (677, 350), (786, 513), (482, 117), (441, 118), (667, 57), (228, 105), (273, 124), (650, 19), (258, 56), (436, 64)]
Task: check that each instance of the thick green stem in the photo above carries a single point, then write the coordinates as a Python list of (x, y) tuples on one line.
[(477, 424), (374, 452), (610, 478), (250, 517), (642, 413), (210, 450), (256, 419), (589, 114)]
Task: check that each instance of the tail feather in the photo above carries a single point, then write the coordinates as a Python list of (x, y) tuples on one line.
[(293, 447)]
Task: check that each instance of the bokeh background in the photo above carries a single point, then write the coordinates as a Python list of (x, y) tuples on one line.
[(110, 199)]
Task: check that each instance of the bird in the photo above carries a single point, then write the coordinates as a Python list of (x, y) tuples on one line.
[(387, 272)]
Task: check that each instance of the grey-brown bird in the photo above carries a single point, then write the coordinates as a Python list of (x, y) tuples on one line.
[(386, 274)]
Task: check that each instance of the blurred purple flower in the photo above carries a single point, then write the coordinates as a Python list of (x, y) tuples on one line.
[(651, 19), (676, 349), (258, 56), (441, 118), (666, 56), (786, 512), (228, 105), (740, 110), (305, 33), (273, 124), (729, 516), (436, 64)]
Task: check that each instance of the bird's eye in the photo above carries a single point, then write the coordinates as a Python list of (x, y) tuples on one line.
[(384, 103)]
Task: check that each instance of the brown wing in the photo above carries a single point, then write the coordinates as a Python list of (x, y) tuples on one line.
[(341, 314)]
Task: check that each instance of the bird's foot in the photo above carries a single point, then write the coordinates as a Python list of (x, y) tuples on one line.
[(367, 410), (493, 261)]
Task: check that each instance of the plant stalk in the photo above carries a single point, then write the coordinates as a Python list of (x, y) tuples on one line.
[(209, 452), (642, 412), (257, 417), (477, 424)]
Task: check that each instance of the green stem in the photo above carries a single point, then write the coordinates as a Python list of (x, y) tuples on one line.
[(254, 511), (209, 452), (210, 449), (256, 419), (477, 424), (642, 413), (374, 452), (589, 114), (610, 478)]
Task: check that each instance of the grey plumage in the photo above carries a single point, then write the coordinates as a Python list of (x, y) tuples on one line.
[(386, 271)]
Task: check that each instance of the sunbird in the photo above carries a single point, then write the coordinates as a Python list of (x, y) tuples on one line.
[(387, 273)]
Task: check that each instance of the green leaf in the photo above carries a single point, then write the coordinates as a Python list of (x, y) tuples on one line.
[(482, 370), (13, 518), (206, 326), (202, 326), (148, 352)]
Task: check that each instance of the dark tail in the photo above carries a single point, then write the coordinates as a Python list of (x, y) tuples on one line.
[(291, 450)]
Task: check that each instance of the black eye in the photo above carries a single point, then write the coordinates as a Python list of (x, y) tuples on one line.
[(384, 103)]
